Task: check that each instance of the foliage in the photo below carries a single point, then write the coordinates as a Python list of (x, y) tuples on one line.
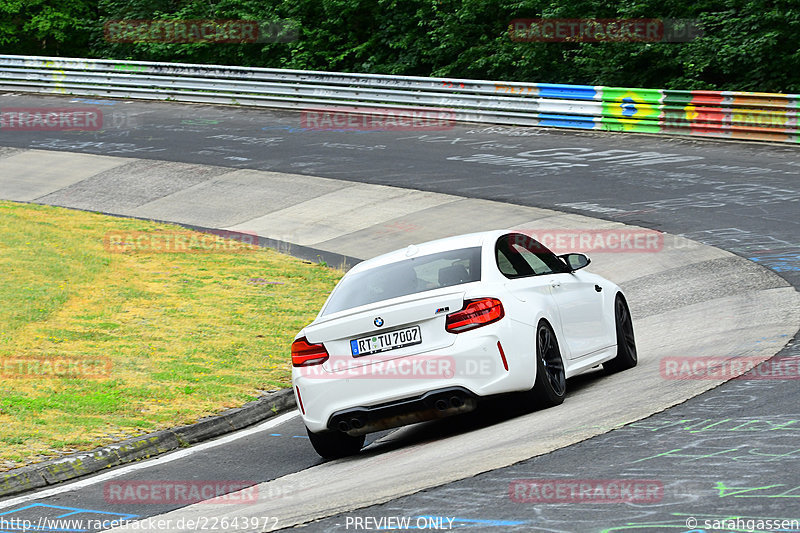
[(39, 27), (747, 44)]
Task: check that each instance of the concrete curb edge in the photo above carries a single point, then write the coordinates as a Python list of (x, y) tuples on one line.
[(146, 446)]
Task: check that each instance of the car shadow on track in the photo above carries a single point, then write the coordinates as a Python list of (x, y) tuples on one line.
[(492, 410)]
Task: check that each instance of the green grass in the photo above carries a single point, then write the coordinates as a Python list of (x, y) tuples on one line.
[(185, 335)]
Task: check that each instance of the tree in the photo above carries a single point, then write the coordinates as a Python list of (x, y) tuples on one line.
[(39, 27)]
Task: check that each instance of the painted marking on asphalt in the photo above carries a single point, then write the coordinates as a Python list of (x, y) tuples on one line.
[(17, 520), (95, 102), (269, 424)]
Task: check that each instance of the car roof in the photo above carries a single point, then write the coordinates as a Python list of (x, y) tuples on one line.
[(469, 240)]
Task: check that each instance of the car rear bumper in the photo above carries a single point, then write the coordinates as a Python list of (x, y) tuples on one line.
[(434, 404), (473, 364)]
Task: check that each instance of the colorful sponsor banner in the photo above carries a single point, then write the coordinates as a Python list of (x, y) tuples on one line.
[(674, 117), (739, 115), (729, 114), (568, 92), (631, 109)]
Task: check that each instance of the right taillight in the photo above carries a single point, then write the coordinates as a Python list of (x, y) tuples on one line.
[(306, 354), (476, 313)]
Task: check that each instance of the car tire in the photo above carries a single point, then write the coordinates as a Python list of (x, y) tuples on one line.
[(335, 444), (627, 356), (551, 383)]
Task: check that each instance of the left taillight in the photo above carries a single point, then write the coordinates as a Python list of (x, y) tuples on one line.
[(476, 313), (306, 354)]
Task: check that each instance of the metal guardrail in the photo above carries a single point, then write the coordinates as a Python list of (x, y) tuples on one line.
[(726, 114)]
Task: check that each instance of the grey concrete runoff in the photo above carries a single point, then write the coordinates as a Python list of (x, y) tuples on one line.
[(681, 297)]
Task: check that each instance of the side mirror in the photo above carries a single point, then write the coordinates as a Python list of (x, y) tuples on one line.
[(575, 261)]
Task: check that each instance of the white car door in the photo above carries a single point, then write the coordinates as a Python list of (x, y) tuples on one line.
[(535, 272), (580, 306)]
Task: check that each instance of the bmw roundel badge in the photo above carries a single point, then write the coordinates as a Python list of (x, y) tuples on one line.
[(378, 322)]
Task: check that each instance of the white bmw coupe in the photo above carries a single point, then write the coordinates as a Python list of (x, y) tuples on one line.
[(424, 332)]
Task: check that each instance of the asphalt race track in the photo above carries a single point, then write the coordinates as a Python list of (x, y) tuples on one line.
[(730, 452)]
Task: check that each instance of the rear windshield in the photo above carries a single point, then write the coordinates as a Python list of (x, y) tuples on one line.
[(410, 276)]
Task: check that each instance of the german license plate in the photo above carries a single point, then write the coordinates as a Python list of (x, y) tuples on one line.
[(383, 342)]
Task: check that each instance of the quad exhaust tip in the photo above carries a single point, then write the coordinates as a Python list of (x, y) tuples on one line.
[(453, 402), (353, 423), (432, 405)]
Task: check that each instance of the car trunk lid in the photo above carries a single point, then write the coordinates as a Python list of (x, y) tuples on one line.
[(415, 324)]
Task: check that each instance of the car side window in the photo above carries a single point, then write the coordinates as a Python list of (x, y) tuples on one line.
[(538, 266), (519, 255), (504, 264), (510, 262)]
